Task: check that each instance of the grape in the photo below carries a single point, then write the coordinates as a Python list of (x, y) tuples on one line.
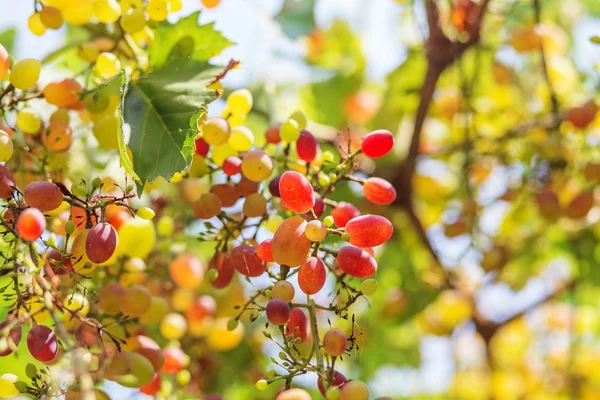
[(165, 226), (379, 191), (334, 342), (312, 275), (257, 165), (78, 14), (222, 339), (369, 230), (64, 94), (157, 10), (60, 115), (88, 51), (210, 3), (107, 65), (226, 193), (283, 290), (307, 146), (175, 5), (203, 307), (136, 300), (107, 11), (315, 231), (338, 381), (255, 205), (133, 20), (246, 187), (241, 138), (298, 325), (35, 24), (152, 388), (201, 147), (25, 73), (272, 134), (76, 303), (368, 287), (59, 265), (31, 223), (6, 146), (136, 238), (232, 166), (343, 213), (377, 143), (580, 205), (51, 17), (145, 213), (101, 243), (151, 350), (174, 360), (158, 309), (225, 268), (4, 62), (240, 102), (88, 333), (28, 121), (300, 119), (186, 271), (274, 186), (173, 326), (7, 386), (141, 373), (220, 153), (262, 385), (9, 341), (110, 298), (319, 207), (294, 394), (278, 311), (290, 245), (182, 299), (246, 262), (356, 262), (289, 131), (274, 222), (45, 196), (7, 182), (296, 192), (354, 390), (265, 250), (42, 343), (216, 131), (207, 206), (57, 137)]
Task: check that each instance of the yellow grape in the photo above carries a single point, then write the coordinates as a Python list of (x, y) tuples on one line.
[(222, 339), (6, 146), (236, 120), (157, 10), (273, 222), (220, 153), (216, 131), (141, 374), (127, 4), (315, 231), (7, 387), (107, 11), (300, 119), (136, 238), (78, 14), (106, 131), (158, 309), (173, 326), (110, 298), (60, 115), (28, 121), (51, 17), (255, 205), (35, 24), (107, 65), (165, 226), (257, 165), (175, 5), (133, 20), (241, 138), (289, 131), (25, 73), (78, 303), (240, 102), (199, 167), (58, 137), (182, 299), (283, 290), (88, 51), (136, 301)]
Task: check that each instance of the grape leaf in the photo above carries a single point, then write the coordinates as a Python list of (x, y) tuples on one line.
[(186, 38), (7, 39), (297, 18)]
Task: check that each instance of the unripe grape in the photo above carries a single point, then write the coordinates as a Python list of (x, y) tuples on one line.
[(377, 143), (157, 10), (212, 275), (315, 231), (25, 73), (334, 342), (262, 385), (273, 222), (333, 393), (240, 102), (354, 390), (356, 262), (283, 290), (327, 157), (379, 191), (312, 275), (323, 179), (31, 223), (241, 138), (88, 51), (232, 324), (339, 380), (6, 146), (183, 377), (107, 65), (216, 131), (343, 213), (133, 20), (159, 307), (296, 192), (225, 269), (35, 24), (369, 230), (51, 17), (307, 146), (289, 131), (257, 165), (368, 287), (300, 119), (255, 205), (110, 298), (328, 221), (221, 339), (28, 121), (145, 213), (278, 311), (77, 303), (107, 11)]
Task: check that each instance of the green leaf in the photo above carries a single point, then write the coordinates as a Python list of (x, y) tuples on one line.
[(160, 109), (297, 18), (21, 386), (186, 38), (30, 370), (7, 39)]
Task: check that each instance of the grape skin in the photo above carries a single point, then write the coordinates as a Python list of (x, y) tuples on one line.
[(356, 262), (246, 262), (312, 275), (369, 230), (343, 213), (101, 243), (298, 320), (296, 192), (278, 311), (290, 244), (42, 343), (31, 223), (45, 196), (283, 290), (379, 191), (334, 342), (377, 143)]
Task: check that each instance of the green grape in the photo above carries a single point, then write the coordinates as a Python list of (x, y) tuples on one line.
[(107, 11), (7, 385), (262, 384), (145, 213), (165, 226), (51, 17), (141, 374), (77, 303), (35, 24), (28, 121), (25, 73), (327, 157), (183, 377), (328, 220), (368, 287), (289, 131), (133, 20), (107, 65), (106, 131), (323, 179), (333, 393), (220, 153), (157, 10), (173, 326), (6, 146), (300, 119), (241, 138), (216, 131), (273, 222), (232, 324), (159, 307), (240, 102)]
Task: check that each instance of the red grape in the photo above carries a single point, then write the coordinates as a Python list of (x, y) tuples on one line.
[(224, 267), (338, 381), (278, 311), (201, 147), (186, 271), (377, 143), (334, 342), (204, 306), (101, 242), (226, 193), (274, 186), (232, 166), (272, 134), (343, 213), (58, 265), (356, 262), (319, 207), (42, 343), (307, 146), (45, 196), (7, 182), (14, 336), (265, 250), (369, 230), (246, 187), (312, 275), (246, 262), (296, 192), (174, 360), (207, 206), (298, 320), (153, 387), (31, 224), (379, 191), (290, 244)]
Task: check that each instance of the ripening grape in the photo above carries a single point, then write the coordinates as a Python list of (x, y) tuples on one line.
[(159, 307), (64, 93), (202, 308), (296, 192), (6, 146), (241, 138), (152, 388), (226, 193), (283, 290), (377, 143), (300, 118), (31, 223), (136, 300), (7, 183), (28, 121), (298, 325), (10, 342), (220, 338), (187, 271), (133, 20), (294, 394), (45, 196), (307, 146), (25, 73), (141, 372), (60, 115), (338, 381), (264, 250), (51, 17), (207, 206), (257, 165), (274, 222), (136, 238), (312, 275), (87, 333), (220, 153), (278, 311), (110, 298), (7, 386), (334, 342), (216, 131), (290, 245), (274, 186), (107, 65), (369, 230), (35, 24), (246, 262), (201, 146), (4, 62), (42, 343), (272, 134), (182, 299), (354, 390), (315, 231), (175, 359), (224, 266), (88, 51), (356, 262), (343, 213), (157, 10), (57, 137), (379, 191), (101, 242), (289, 131), (255, 205), (173, 326)]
